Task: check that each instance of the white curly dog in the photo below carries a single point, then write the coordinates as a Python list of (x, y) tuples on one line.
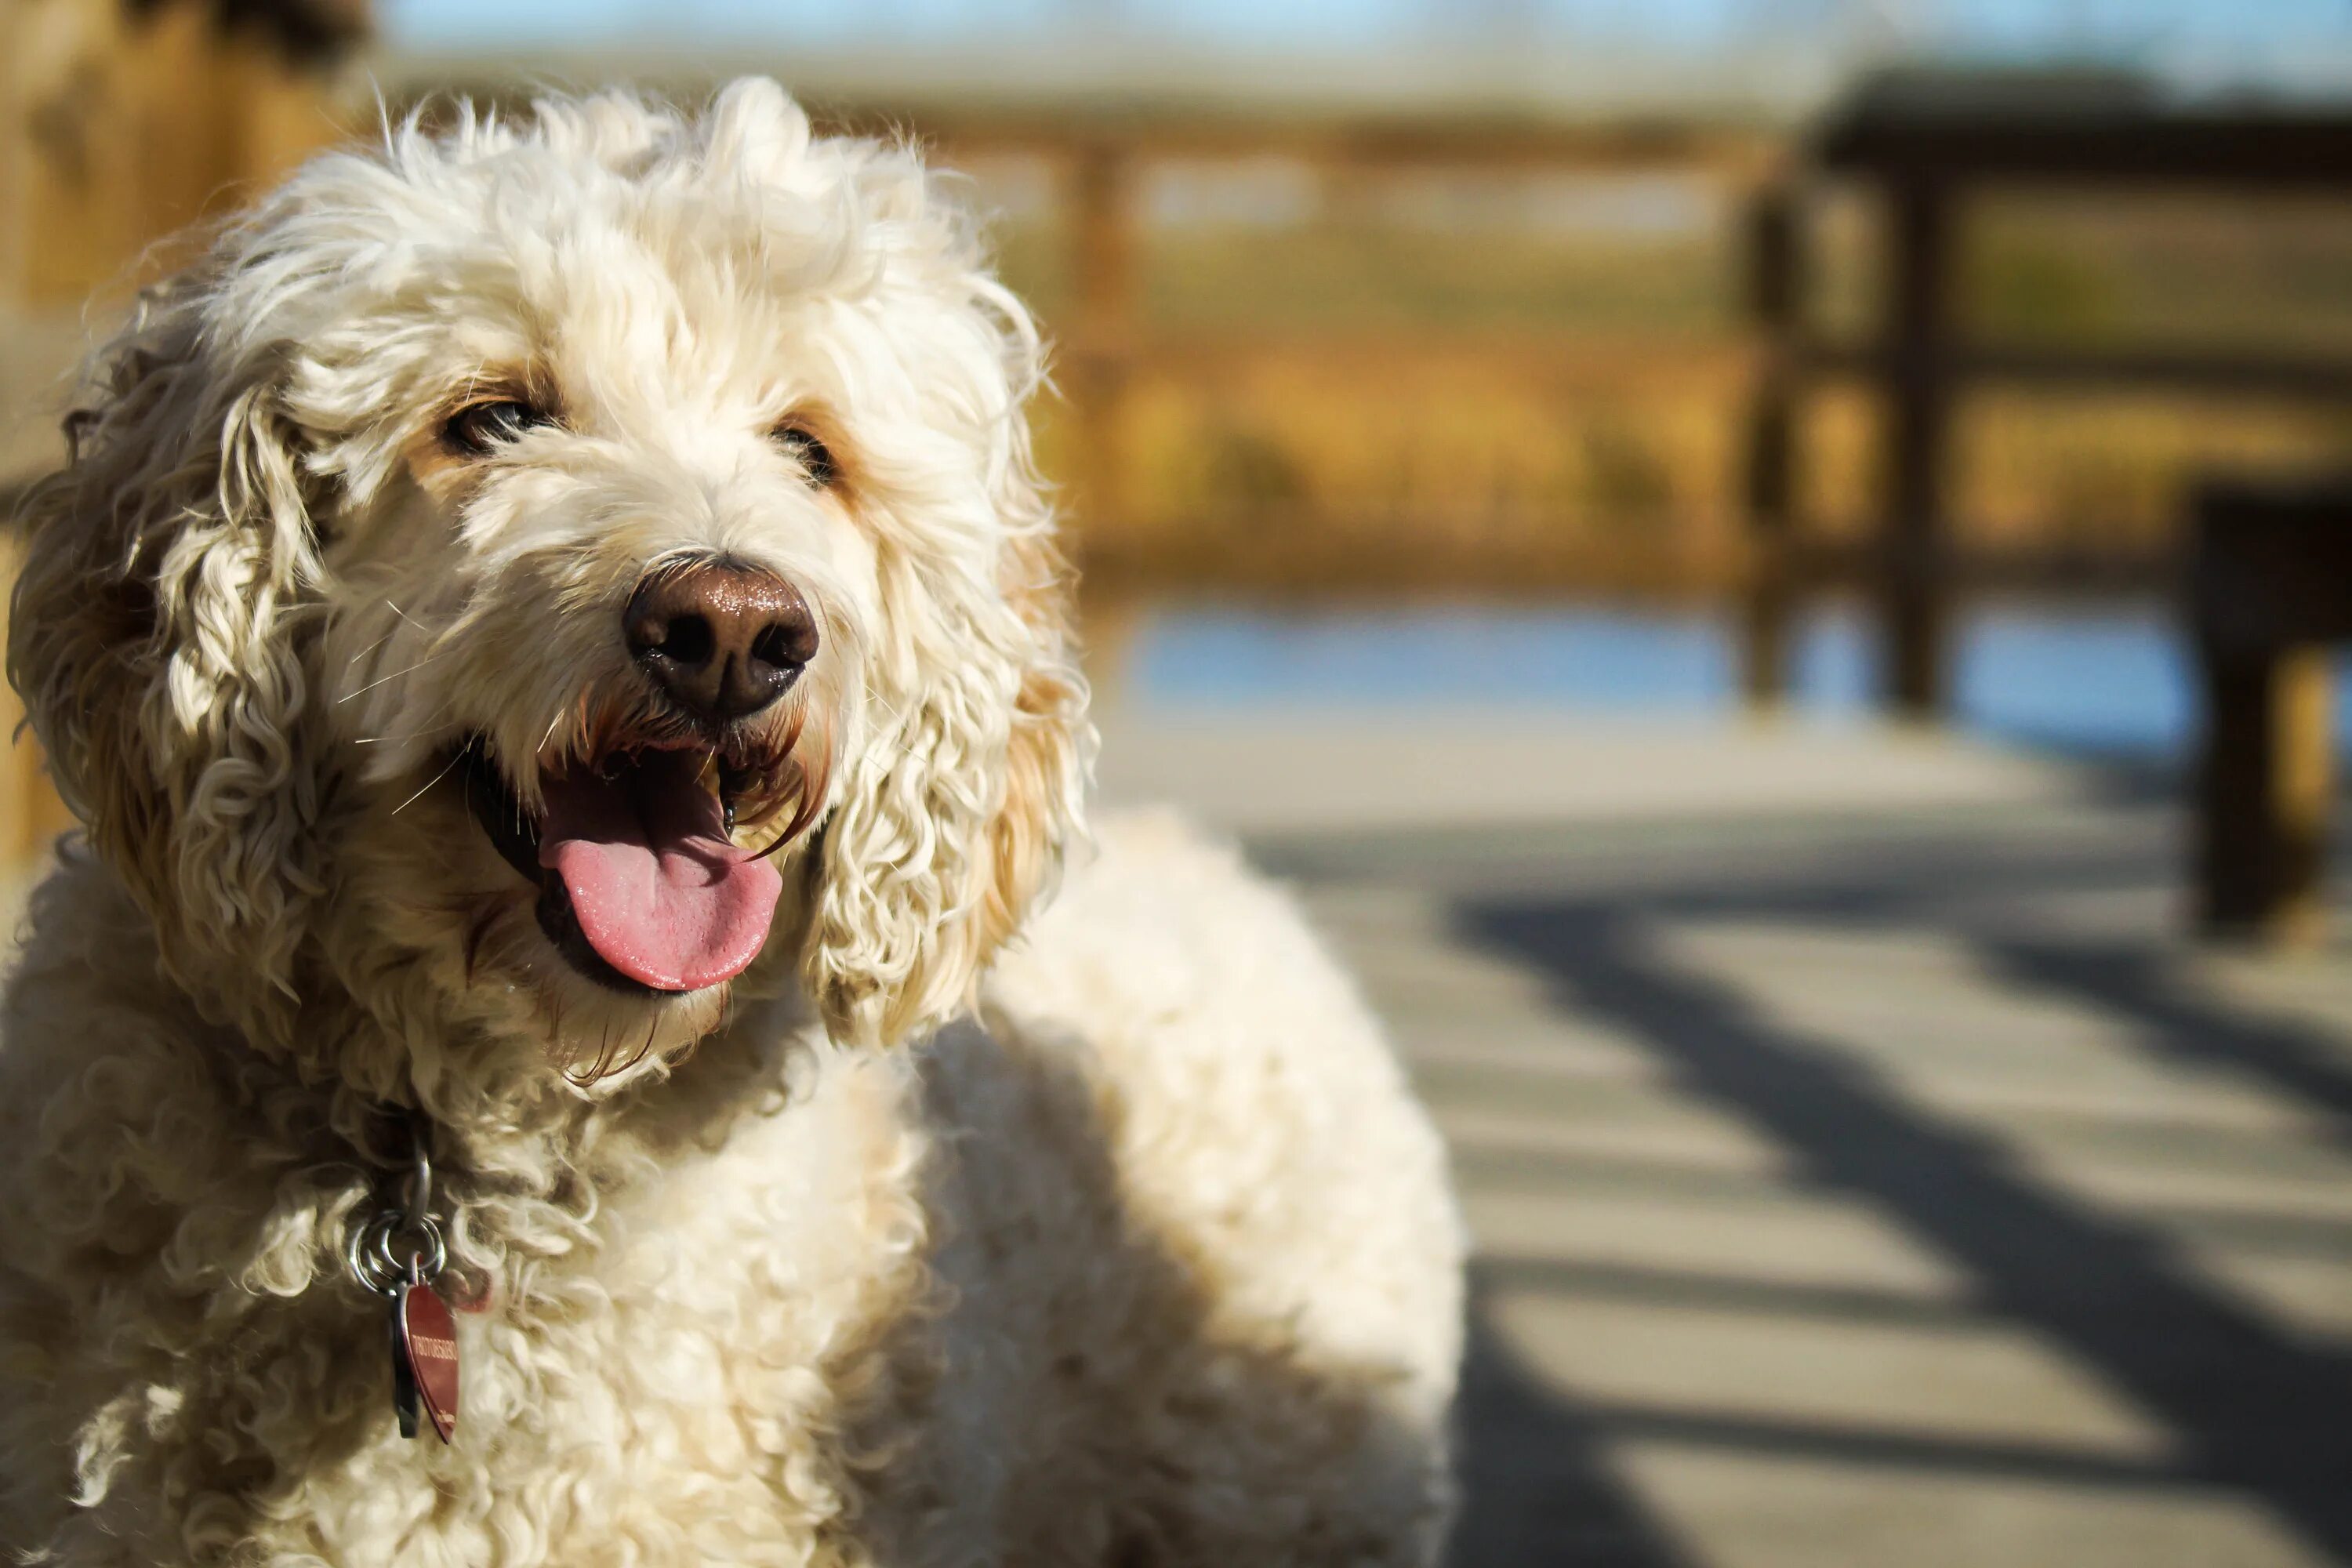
[(558, 645)]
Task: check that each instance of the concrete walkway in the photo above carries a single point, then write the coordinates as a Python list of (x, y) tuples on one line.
[(1862, 1172)]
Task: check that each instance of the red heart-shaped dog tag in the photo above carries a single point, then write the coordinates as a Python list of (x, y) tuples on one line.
[(428, 1338)]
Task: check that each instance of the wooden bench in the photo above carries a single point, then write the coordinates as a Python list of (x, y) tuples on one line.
[(2269, 590)]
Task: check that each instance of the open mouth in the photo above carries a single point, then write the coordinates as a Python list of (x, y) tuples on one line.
[(642, 885)]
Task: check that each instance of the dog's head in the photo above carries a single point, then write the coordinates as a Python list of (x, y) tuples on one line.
[(584, 568)]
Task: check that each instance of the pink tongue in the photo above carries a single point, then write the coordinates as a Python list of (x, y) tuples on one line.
[(659, 893)]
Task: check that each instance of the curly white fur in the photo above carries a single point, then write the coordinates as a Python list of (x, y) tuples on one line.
[(1137, 1253)]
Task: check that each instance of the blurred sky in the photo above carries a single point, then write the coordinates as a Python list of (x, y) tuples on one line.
[(2298, 46), (2123, 28)]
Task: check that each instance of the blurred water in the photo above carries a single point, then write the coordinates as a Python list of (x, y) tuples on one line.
[(2101, 679)]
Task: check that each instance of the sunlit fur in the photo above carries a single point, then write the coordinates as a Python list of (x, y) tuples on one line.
[(1156, 1268)]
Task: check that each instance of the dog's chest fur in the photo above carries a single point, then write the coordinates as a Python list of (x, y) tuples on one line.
[(718, 1357), (734, 1330)]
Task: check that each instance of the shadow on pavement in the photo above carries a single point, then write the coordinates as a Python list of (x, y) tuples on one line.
[(1535, 1486), (2249, 1409)]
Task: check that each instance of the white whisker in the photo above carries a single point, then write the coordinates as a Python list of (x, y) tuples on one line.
[(424, 727), (424, 733), (453, 759), (893, 714), (395, 675), (375, 645)]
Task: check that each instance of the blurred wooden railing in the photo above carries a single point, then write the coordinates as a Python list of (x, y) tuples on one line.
[(1109, 343)]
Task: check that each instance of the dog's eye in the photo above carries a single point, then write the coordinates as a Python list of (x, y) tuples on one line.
[(480, 428), (812, 455)]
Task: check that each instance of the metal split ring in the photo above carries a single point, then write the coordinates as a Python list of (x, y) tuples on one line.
[(376, 1266)]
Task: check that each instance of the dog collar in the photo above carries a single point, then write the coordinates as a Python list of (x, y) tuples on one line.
[(400, 1252)]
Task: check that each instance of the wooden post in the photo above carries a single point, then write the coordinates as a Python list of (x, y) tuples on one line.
[(2264, 792), (15, 154), (1103, 221), (79, 151), (1913, 563), (126, 129), (2269, 591), (1776, 305)]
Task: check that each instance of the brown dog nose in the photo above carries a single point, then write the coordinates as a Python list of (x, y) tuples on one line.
[(723, 640)]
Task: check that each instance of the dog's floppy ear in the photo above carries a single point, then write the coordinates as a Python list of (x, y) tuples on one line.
[(953, 817), (157, 638)]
